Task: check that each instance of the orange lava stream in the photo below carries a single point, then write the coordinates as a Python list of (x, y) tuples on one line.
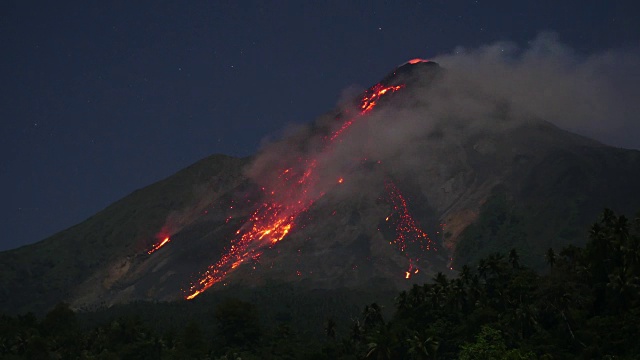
[(417, 60), (268, 225), (407, 229), (274, 219), (157, 246), (368, 102)]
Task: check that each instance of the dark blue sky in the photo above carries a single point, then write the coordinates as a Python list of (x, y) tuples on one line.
[(100, 98)]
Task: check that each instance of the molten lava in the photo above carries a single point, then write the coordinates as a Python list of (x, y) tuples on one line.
[(416, 61), (296, 190), (368, 102), (410, 239), (158, 245)]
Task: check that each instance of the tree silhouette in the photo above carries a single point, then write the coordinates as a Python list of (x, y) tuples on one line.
[(422, 349), (550, 257), (238, 322), (514, 258), (330, 328)]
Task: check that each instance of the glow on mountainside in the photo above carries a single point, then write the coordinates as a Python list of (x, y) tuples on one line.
[(274, 219), (158, 245), (408, 232), (295, 190)]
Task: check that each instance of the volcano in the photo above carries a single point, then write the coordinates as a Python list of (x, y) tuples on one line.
[(382, 192)]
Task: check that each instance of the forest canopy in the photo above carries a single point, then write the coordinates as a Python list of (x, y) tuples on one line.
[(585, 305)]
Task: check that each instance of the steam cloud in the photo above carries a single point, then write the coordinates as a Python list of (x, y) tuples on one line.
[(476, 95), (595, 95)]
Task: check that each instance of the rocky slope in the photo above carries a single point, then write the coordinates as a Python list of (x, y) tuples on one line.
[(404, 190)]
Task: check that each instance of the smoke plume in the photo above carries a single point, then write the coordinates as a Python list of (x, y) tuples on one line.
[(484, 90), (594, 95)]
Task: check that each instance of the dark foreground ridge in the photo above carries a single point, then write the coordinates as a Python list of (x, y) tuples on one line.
[(585, 306)]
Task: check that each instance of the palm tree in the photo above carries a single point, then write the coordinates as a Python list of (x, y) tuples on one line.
[(465, 274), (356, 331), (496, 265), (572, 255), (422, 349), (441, 279), (483, 268), (476, 291), (631, 254), (416, 296), (402, 302), (514, 258), (624, 289), (608, 217), (372, 316), (550, 257), (621, 227), (330, 328), (380, 344), (523, 317), (562, 299), (459, 300), (437, 296)]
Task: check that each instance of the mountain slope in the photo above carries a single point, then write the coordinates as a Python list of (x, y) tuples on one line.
[(380, 193), (36, 276)]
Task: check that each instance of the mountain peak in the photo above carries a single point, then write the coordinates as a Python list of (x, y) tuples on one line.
[(411, 69), (337, 206)]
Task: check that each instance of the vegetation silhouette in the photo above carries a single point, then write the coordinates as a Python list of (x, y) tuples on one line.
[(586, 305)]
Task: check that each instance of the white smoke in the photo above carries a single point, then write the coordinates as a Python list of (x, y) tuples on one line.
[(483, 90), (594, 95)]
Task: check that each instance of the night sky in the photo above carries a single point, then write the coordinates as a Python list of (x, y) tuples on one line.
[(100, 98)]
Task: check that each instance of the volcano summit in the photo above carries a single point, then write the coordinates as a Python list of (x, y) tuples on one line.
[(419, 174)]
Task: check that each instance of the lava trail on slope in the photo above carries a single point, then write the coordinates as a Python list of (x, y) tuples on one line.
[(296, 189)]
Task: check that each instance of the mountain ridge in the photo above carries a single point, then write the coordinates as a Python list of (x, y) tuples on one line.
[(537, 179)]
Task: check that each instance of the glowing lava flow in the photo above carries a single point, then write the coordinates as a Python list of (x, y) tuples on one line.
[(160, 244), (416, 61), (274, 219), (268, 225), (407, 230), (369, 101)]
